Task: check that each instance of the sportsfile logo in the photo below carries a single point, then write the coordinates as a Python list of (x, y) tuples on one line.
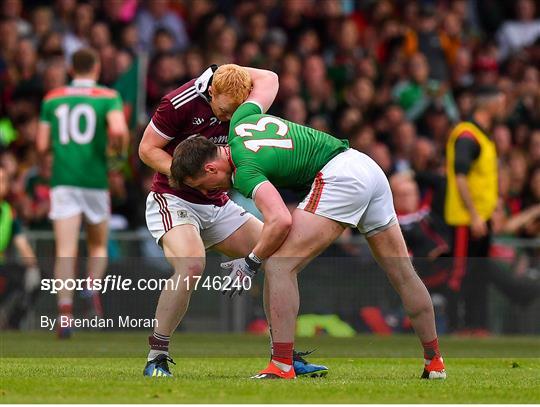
[(119, 283)]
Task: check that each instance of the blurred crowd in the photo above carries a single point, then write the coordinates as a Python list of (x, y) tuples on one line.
[(391, 76)]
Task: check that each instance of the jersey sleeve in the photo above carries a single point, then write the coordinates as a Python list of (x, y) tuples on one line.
[(115, 103), (244, 110), (44, 114), (467, 150), (248, 173), (246, 179), (167, 120)]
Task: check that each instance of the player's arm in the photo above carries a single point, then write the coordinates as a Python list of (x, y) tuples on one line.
[(32, 275), (277, 224), (117, 128), (466, 151), (24, 250), (265, 87), (43, 136), (161, 129), (118, 131), (277, 220), (151, 151)]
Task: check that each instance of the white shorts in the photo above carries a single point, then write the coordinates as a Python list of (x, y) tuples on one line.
[(215, 223), (353, 190), (68, 201)]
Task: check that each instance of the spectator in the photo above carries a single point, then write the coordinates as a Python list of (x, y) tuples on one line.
[(295, 110), (527, 108), (503, 141), (425, 39), (80, 35), (223, 50), (100, 36), (13, 9), (418, 93), (362, 138), (156, 14), (36, 203), (163, 41), (11, 235), (381, 155), (525, 221), (517, 34), (461, 75), (318, 91), (403, 141), (42, 23)]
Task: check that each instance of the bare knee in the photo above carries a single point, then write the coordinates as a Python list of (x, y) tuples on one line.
[(279, 268), (97, 250), (189, 270)]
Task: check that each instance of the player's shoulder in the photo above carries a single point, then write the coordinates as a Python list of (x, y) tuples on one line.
[(183, 95), (56, 93), (96, 91), (104, 91)]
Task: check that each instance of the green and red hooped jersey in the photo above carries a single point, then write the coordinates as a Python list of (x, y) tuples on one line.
[(268, 148), (77, 116)]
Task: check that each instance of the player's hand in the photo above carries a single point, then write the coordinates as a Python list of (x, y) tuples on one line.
[(479, 227), (240, 270), (32, 279)]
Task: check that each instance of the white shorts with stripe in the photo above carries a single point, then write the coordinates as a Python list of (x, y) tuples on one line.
[(352, 189), (68, 201), (215, 223)]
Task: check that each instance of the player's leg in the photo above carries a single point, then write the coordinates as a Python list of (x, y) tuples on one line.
[(184, 249), (239, 244), (66, 237), (310, 234), (96, 207), (96, 243), (175, 226), (389, 249), (66, 216), (378, 222)]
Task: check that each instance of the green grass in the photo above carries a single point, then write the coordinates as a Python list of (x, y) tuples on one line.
[(107, 367)]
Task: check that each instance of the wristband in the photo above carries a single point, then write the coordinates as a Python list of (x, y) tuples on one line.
[(253, 261)]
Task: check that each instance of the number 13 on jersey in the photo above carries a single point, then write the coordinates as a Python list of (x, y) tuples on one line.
[(263, 130)]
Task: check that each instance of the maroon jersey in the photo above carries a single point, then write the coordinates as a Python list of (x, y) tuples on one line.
[(182, 113)]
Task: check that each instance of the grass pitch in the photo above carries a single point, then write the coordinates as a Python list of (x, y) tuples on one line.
[(96, 367)]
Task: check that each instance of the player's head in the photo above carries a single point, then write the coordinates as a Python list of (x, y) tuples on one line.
[(231, 85), (492, 100), (200, 164), (85, 63)]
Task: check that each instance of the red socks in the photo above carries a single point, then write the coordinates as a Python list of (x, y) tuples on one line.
[(65, 308), (431, 349), (283, 352)]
